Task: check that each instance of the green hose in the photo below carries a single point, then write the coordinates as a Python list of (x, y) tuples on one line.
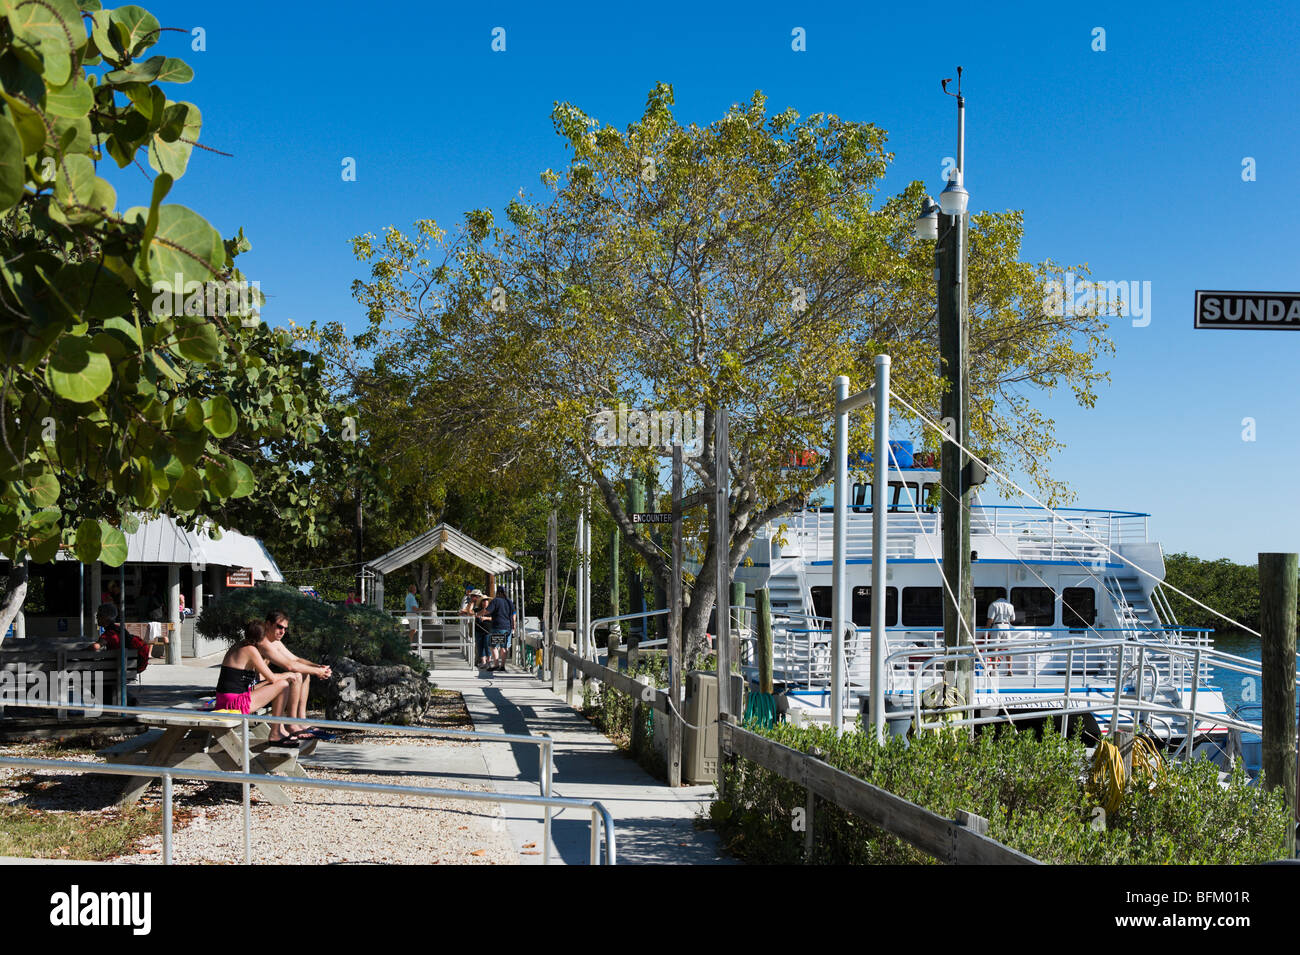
[(760, 710)]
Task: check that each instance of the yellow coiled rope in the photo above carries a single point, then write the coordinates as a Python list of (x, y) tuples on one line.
[(1107, 781)]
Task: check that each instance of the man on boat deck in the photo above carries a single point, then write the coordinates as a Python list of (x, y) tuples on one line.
[(1002, 614)]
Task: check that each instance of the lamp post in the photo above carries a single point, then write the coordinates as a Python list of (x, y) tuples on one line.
[(946, 224)]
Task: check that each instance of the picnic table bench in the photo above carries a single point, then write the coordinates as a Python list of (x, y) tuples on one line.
[(184, 740)]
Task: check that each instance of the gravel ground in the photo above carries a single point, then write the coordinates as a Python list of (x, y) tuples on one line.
[(321, 827), (325, 827)]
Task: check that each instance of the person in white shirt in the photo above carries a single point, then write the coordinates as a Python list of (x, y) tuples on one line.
[(1001, 615), (412, 608)]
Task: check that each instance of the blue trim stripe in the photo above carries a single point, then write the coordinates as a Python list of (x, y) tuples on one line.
[(992, 560)]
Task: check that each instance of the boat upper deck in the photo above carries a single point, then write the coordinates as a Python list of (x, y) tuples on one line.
[(1007, 531)]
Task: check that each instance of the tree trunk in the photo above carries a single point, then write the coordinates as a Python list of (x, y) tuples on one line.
[(423, 573), (15, 594)]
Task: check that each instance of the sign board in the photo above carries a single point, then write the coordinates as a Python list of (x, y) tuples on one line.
[(1266, 310), (243, 577), (693, 500), (652, 518), (530, 553)]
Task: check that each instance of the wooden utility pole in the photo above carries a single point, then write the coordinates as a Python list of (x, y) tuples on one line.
[(722, 547), (1277, 618), (675, 630), (636, 629), (763, 643), (636, 592), (615, 631), (360, 540)]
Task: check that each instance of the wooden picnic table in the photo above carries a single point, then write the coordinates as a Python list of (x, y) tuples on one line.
[(185, 741)]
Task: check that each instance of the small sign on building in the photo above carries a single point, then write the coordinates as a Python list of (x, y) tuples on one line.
[(1218, 309), (242, 577)]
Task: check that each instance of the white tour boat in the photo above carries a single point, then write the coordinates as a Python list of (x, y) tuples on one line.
[(1094, 638)]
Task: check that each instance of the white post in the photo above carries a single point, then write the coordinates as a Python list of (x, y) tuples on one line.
[(96, 593), (174, 612), (838, 594), (586, 575), (579, 601), (879, 519)]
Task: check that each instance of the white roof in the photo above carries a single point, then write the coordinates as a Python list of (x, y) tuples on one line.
[(450, 540), (161, 541)]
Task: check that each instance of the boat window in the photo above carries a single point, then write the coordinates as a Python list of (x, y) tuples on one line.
[(1078, 607), (861, 610), (930, 498), (862, 606), (1035, 606), (862, 497), (983, 597), (923, 606), (906, 496)]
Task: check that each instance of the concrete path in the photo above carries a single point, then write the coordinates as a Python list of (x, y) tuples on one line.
[(652, 823)]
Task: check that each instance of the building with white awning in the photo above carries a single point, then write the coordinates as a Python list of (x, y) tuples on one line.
[(168, 570)]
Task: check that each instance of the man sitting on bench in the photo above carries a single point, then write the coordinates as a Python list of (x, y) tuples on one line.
[(110, 636), (275, 652)]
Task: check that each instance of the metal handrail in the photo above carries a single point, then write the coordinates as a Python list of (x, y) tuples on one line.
[(167, 773), (605, 621), (545, 745), (1118, 703)]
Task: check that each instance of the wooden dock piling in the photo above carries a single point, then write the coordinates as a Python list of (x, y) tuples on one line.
[(1277, 616)]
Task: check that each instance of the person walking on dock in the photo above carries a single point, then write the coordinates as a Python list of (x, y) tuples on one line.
[(501, 622)]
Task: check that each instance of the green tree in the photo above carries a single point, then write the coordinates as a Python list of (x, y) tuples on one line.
[(742, 264), (407, 476), (137, 377), (1228, 587)]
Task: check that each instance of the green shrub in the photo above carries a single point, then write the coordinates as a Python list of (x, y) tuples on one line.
[(611, 712), (319, 631), (1032, 790)]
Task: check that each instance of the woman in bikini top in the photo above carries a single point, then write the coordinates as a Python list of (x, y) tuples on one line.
[(238, 687)]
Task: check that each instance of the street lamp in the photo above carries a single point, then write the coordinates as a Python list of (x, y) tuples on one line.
[(953, 199), (927, 223), (950, 254)]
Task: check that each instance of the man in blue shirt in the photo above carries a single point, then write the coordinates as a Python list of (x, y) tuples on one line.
[(502, 623)]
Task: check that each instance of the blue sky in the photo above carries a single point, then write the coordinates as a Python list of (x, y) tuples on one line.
[(1128, 159)]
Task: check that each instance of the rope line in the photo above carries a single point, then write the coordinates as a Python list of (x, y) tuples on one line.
[(992, 470)]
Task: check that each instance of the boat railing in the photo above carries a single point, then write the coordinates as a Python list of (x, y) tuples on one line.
[(1063, 534), (1121, 690), (802, 654)]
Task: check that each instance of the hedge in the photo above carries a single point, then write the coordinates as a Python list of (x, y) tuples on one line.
[(319, 631)]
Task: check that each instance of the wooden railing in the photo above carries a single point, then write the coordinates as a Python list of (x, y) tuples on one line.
[(960, 841)]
